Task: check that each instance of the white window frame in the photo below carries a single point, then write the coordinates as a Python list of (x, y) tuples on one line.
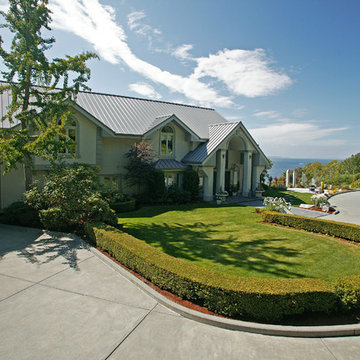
[(167, 136)]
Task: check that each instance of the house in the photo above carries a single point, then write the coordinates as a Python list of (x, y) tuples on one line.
[(182, 136)]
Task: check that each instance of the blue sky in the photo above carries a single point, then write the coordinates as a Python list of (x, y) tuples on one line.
[(288, 69)]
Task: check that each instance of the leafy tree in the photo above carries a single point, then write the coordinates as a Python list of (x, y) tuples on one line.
[(140, 166), (41, 89)]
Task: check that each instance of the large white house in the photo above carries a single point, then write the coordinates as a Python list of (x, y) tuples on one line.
[(182, 136)]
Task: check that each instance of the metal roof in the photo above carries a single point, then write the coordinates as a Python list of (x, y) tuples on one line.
[(133, 116), (167, 164), (217, 134)]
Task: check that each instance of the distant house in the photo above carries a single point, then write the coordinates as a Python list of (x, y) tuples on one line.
[(182, 136)]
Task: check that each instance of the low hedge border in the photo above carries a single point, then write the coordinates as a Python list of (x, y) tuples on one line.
[(267, 300), (333, 228), (123, 206)]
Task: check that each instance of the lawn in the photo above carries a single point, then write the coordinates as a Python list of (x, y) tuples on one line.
[(294, 198), (233, 240)]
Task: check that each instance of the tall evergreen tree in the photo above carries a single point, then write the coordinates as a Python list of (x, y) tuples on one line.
[(41, 90)]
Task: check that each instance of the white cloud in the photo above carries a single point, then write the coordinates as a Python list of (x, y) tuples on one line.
[(271, 114), (96, 24), (245, 72), (299, 112), (4, 5), (293, 139), (140, 28), (145, 90), (182, 52)]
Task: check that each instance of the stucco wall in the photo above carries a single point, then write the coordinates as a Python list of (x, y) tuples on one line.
[(12, 186)]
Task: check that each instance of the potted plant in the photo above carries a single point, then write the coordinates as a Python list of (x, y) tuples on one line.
[(221, 196)]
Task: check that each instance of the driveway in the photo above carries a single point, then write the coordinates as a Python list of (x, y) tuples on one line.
[(348, 204), (59, 300)]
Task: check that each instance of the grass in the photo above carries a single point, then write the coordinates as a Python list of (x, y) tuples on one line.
[(234, 240), (292, 197)]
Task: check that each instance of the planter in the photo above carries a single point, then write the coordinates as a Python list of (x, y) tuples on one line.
[(259, 193)]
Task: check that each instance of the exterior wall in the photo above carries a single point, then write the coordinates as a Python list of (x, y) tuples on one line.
[(86, 143), (12, 186)]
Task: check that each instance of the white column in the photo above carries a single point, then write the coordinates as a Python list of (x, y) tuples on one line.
[(247, 173), (294, 178), (220, 169), (287, 178), (208, 183)]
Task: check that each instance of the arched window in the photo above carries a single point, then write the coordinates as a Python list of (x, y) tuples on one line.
[(70, 132), (167, 140)]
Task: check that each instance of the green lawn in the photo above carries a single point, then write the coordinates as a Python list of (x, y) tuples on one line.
[(292, 197), (233, 240)]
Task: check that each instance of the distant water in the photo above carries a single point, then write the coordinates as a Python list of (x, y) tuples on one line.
[(282, 164)]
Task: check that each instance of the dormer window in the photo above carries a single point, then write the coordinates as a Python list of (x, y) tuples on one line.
[(167, 140)]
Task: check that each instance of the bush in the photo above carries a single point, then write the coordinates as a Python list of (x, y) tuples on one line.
[(332, 228), (348, 291), (176, 196), (156, 185), (20, 213), (191, 183), (123, 206), (258, 299), (277, 204), (320, 200), (69, 197)]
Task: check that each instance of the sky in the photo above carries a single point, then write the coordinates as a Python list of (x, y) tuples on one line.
[(288, 69)]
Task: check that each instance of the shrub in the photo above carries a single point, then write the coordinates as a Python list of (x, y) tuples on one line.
[(156, 185), (69, 197), (174, 195), (320, 200), (348, 291), (20, 213), (276, 204), (123, 206), (259, 299), (332, 228), (118, 201), (191, 183)]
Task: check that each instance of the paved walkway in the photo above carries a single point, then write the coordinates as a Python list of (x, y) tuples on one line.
[(60, 301)]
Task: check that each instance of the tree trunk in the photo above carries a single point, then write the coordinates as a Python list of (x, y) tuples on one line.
[(28, 172)]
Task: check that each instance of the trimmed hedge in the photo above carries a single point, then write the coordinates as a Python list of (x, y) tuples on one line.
[(259, 299), (123, 206), (348, 291), (332, 228)]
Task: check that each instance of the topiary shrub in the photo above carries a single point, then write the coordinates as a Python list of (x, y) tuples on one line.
[(69, 197), (20, 213), (191, 183), (259, 299)]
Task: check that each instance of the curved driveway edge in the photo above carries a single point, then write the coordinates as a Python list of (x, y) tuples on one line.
[(265, 329)]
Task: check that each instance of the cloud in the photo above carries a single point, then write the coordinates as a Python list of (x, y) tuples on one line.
[(299, 112), (145, 90), (140, 28), (294, 138), (245, 72), (4, 5), (182, 52), (271, 114)]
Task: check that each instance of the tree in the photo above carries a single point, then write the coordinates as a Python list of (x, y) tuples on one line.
[(140, 167), (41, 90)]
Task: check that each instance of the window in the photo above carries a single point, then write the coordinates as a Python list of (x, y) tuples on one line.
[(111, 182), (69, 132), (167, 141)]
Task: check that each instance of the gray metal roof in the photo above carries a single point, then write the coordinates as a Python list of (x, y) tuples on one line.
[(217, 134), (169, 164), (133, 116)]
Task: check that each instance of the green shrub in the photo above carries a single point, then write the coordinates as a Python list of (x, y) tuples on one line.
[(258, 299), (191, 183), (174, 195), (332, 228), (69, 197), (348, 291), (20, 213), (123, 206), (156, 185)]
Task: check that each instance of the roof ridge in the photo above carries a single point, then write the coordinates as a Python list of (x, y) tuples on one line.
[(226, 123), (143, 99)]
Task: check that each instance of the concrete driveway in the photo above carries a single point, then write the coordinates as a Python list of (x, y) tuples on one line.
[(59, 300), (348, 204)]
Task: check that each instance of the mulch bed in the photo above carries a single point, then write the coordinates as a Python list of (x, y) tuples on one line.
[(312, 319)]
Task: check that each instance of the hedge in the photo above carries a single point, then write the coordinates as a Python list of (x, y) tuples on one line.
[(123, 206), (267, 300), (332, 228)]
